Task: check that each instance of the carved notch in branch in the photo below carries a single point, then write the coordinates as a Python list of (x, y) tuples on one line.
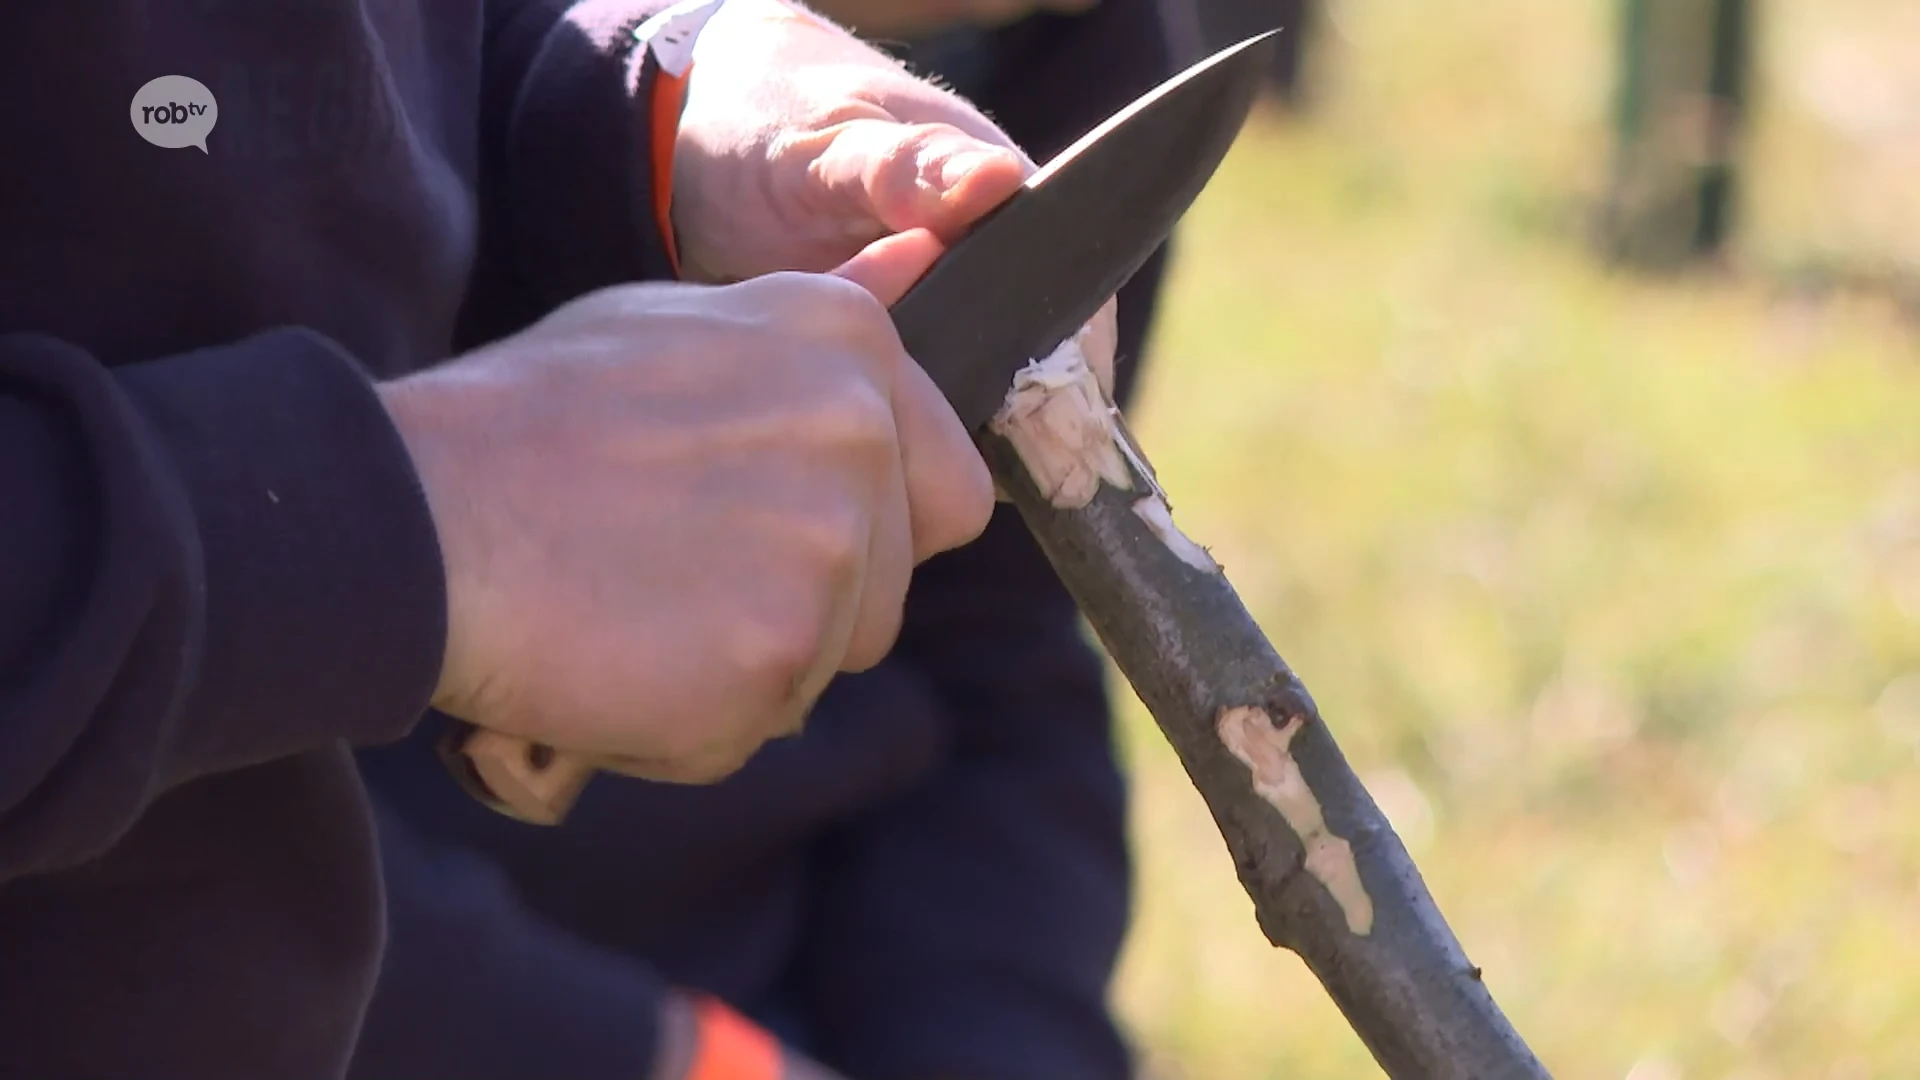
[(1328, 877)]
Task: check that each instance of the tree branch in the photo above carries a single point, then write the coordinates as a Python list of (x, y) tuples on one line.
[(1328, 877)]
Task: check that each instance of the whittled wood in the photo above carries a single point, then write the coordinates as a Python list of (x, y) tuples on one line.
[(1328, 877)]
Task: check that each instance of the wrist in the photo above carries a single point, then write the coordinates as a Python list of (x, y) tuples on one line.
[(419, 412)]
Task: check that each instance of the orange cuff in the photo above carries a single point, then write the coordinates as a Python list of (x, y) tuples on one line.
[(728, 1046), (668, 38), (669, 96)]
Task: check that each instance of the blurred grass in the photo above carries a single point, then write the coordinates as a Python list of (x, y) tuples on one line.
[(1609, 588)]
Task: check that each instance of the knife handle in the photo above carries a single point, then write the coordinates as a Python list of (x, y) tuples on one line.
[(513, 776)]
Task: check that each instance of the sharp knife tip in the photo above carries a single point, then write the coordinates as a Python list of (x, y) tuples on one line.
[(1245, 45)]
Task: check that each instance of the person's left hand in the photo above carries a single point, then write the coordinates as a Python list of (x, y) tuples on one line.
[(800, 144)]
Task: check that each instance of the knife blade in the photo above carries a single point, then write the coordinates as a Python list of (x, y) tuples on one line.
[(1025, 278), (1030, 273)]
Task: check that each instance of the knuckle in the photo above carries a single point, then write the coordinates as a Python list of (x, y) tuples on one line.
[(821, 308), (858, 418), (835, 544), (909, 145), (974, 501), (876, 638), (783, 283), (774, 294), (915, 139), (773, 655), (845, 303)]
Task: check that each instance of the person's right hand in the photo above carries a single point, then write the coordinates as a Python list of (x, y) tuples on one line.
[(670, 513)]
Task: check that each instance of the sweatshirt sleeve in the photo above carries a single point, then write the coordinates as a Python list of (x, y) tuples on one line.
[(475, 985), (970, 928), (206, 561), (577, 126)]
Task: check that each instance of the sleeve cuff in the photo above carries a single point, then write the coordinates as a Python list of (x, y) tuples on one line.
[(325, 593), (590, 146)]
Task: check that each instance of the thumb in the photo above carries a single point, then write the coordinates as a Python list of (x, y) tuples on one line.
[(889, 266), (916, 176)]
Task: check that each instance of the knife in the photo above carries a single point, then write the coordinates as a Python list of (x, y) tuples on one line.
[(1024, 279)]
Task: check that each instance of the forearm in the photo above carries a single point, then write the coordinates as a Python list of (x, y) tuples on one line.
[(194, 545)]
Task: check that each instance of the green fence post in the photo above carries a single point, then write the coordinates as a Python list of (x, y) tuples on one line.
[(1679, 108)]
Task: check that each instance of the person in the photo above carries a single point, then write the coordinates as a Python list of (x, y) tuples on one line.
[(388, 400), (931, 881)]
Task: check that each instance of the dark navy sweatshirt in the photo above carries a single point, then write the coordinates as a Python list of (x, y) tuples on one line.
[(217, 572), (931, 882), (216, 567)]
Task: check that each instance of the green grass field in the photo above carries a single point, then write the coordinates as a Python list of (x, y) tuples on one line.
[(1609, 588)]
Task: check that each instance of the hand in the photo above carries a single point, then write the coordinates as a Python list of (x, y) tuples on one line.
[(671, 513), (911, 18), (799, 144)]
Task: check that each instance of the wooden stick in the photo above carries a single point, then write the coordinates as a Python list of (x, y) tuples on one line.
[(1328, 877)]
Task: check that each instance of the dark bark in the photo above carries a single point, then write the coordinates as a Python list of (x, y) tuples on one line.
[(1184, 640)]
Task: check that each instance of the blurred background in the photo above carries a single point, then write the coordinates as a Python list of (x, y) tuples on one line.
[(1546, 374)]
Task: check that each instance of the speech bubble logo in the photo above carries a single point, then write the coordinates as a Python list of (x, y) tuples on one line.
[(174, 111)]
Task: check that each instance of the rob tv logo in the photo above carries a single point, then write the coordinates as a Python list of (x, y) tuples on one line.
[(174, 111)]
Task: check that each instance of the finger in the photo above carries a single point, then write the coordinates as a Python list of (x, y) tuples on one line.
[(889, 266), (934, 176), (843, 605), (883, 588), (950, 494)]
